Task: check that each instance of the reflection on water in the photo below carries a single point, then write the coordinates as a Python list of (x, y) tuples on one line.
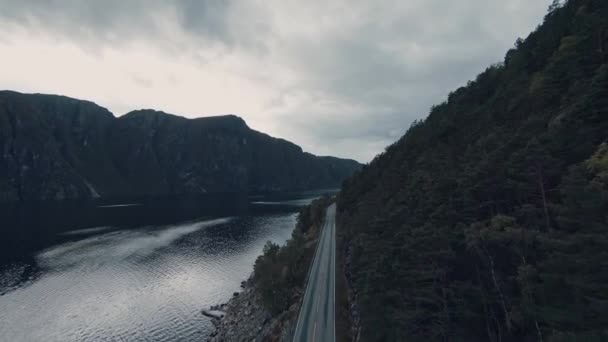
[(119, 205), (87, 231), (131, 282), (117, 246)]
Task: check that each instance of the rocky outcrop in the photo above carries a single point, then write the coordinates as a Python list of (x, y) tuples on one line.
[(246, 319), (54, 147)]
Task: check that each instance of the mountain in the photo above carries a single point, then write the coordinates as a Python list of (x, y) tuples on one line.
[(54, 147), (487, 221)]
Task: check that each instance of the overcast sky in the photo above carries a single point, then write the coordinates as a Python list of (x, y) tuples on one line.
[(342, 78)]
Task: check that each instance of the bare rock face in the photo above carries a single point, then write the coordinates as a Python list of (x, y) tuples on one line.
[(51, 147), (54, 147), (246, 319)]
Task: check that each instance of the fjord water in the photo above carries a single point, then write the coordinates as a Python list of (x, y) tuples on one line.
[(137, 270)]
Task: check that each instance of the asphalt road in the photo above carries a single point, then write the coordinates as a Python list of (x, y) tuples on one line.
[(317, 313)]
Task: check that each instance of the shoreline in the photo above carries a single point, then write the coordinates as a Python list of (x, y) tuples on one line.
[(267, 307), (244, 318)]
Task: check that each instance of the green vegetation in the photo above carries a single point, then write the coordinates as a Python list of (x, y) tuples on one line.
[(488, 221), (280, 272)]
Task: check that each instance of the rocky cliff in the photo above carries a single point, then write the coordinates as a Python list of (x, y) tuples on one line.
[(54, 147)]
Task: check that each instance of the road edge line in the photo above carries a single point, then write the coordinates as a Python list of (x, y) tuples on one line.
[(308, 277)]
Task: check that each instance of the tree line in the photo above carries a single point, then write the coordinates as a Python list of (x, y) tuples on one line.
[(488, 220)]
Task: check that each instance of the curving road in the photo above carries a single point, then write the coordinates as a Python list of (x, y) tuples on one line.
[(316, 318)]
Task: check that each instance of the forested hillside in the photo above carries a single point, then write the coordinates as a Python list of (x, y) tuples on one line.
[(488, 220)]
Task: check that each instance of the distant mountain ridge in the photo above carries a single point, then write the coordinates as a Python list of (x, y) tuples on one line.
[(55, 147)]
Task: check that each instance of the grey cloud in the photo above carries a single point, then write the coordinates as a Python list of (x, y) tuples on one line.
[(118, 22), (395, 63), (370, 70), (112, 21)]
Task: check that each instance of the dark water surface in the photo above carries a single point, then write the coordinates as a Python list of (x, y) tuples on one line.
[(131, 270)]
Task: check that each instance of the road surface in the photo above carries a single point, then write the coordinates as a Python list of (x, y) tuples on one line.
[(317, 313)]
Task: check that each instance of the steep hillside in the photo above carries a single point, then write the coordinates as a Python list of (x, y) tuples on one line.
[(55, 147), (487, 221)]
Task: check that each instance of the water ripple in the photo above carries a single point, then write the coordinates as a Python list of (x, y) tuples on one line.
[(145, 284)]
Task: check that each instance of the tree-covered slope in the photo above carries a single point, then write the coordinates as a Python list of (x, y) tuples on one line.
[(488, 221), (54, 147)]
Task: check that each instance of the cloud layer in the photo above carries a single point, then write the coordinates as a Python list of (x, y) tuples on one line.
[(338, 77)]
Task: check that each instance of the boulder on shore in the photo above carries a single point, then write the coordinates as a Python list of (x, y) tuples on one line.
[(214, 313)]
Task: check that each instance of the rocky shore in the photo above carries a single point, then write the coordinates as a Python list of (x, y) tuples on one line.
[(267, 307), (246, 319)]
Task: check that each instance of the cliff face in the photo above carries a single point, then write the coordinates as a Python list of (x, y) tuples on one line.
[(54, 147)]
